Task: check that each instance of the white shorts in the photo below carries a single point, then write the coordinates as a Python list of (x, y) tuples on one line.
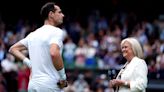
[(39, 88)]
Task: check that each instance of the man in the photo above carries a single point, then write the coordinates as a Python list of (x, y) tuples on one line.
[(44, 46)]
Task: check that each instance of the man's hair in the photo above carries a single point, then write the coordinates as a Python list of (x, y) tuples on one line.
[(46, 8)]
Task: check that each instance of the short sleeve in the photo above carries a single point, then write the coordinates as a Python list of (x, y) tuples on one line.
[(57, 38), (24, 41)]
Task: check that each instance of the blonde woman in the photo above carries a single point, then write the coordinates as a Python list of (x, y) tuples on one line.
[(133, 76)]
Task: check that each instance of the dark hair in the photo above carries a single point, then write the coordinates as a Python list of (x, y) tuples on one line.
[(46, 8)]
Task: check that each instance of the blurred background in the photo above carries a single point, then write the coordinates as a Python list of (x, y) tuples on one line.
[(94, 30)]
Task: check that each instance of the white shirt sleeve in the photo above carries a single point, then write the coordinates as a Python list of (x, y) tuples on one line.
[(140, 83), (57, 38), (25, 41)]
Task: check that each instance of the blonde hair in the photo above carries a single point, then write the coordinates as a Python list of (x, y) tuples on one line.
[(136, 46)]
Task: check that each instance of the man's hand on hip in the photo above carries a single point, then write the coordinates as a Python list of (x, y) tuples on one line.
[(62, 83)]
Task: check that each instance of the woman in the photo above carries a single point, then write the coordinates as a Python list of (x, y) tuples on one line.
[(133, 76)]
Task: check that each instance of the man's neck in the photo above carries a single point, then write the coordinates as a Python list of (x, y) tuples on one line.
[(48, 22)]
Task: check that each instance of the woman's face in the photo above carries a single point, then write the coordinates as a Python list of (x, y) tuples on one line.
[(127, 51)]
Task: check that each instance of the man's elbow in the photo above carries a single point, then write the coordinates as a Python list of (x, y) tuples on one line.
[(54, 55), (11, 50)]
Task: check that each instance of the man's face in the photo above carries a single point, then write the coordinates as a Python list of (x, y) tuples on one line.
[(58, 16)]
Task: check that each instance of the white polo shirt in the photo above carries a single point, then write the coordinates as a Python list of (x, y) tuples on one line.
[(38, 44)]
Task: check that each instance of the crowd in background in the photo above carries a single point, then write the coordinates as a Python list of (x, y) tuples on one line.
[(93, 45)]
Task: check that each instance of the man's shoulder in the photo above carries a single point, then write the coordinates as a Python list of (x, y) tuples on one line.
[(57, 28), (50, 28)]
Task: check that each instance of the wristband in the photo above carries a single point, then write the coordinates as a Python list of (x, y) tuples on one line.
[(62, 74), (27, 62)]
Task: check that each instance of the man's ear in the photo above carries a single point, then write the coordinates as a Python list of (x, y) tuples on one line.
[(51, 14)]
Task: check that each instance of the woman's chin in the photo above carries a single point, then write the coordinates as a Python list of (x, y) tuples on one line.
[(124, 55)]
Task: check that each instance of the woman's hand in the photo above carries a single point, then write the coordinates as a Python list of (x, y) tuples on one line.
[(111, 84), (116, 82)]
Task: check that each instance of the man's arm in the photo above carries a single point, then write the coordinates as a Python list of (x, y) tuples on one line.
[(56, 57), (58, 64), (16, 51)]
